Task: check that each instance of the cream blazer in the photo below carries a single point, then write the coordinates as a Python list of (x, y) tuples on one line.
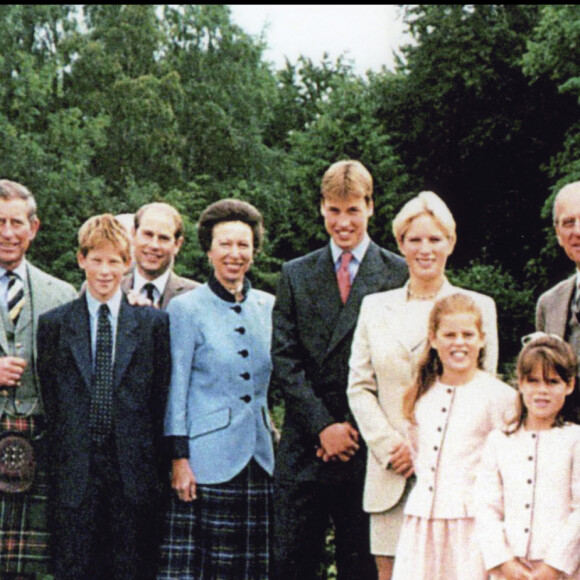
[(528, 497), (388, 341)]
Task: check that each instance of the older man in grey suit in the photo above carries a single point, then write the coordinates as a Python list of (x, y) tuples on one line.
[(558, 309), (320, 465), (25, 293), (157, 239)]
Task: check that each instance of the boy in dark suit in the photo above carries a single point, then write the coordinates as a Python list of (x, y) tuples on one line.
[(104, 369), (320, 464)]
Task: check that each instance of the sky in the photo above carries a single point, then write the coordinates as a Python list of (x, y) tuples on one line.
[(366, 34)]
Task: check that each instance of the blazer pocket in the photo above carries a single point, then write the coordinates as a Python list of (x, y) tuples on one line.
[(209, 423)]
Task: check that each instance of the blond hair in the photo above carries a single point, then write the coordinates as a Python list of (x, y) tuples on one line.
[(428, 203), (345, 179), (104, 228)]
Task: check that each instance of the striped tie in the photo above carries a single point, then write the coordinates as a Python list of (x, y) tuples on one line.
[(15, 297)]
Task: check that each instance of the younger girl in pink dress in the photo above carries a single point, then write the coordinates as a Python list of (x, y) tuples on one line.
[(452, 406), (528, 488)]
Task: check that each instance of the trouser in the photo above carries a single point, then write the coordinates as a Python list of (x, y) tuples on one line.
[(302, 514), (107, 536)]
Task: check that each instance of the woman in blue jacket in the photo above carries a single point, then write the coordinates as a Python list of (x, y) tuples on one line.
[(218, 525)]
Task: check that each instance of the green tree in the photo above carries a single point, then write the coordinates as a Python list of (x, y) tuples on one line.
[(227, 91), (467, 124), (346, 125), (553, 55), (117, 73), (47, 144)]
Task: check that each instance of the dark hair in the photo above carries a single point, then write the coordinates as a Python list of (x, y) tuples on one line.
[(430, 366), (553, 354), (229, 210)]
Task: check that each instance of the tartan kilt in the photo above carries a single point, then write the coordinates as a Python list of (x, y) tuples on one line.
[(23, 516), (225, 533)]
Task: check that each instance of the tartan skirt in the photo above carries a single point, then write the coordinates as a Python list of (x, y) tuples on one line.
[(224, 534), (23, 516)]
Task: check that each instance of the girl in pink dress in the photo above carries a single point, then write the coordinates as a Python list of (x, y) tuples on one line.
[(452, 407), (528, 488)]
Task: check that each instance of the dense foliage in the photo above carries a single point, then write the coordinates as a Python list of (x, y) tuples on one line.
[(106, 107)]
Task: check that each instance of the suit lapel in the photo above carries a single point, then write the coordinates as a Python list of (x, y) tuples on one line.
[(561, 307), (370, 275), (323, 289), (171, 289), (41, 297), (127, 282), (411, 338), (126, 341), (4, 345), (79, 333)]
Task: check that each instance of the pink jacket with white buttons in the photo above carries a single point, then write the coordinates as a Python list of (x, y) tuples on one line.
[(452, 426), (528, 498)]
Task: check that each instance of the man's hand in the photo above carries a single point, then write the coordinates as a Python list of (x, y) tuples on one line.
[(11, 369), (401, 460), (182, 480), (338, 441)]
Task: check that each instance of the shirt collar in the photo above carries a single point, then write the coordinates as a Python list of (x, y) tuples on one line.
[(159, 283), (114, 304), (358, 252), (20, 270)]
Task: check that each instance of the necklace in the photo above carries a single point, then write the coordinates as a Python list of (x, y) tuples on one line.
[(420, 296), (413, 295)]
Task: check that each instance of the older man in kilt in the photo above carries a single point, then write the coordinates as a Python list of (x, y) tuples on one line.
[(25, 293)]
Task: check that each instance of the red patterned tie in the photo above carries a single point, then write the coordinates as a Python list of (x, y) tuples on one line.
[(343, 276)]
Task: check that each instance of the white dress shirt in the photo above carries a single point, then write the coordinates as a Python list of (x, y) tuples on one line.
[(358, 254), (114, 305), (159, 284)]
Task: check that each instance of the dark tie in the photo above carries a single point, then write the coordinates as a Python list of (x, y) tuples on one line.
[(150, 292), (15, 296), (102, 402), (343, 276)]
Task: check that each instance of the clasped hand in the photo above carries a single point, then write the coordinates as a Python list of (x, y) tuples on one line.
[(401, 461), (338, 441), (517, 569)]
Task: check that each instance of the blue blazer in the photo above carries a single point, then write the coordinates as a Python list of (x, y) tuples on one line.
[(219, 382)]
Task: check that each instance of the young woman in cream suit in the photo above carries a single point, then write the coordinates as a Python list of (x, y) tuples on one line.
[(389, 338)]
